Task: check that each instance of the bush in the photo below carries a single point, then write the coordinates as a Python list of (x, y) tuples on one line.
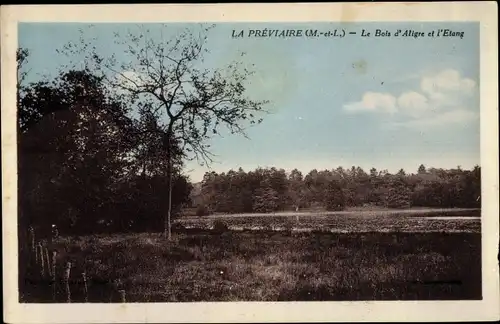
[(220, 227), (202, 210)]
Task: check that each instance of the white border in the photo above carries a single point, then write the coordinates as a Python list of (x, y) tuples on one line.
[(487, 309)]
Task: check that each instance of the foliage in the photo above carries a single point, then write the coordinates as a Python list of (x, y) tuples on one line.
[(220, 227), (202, 210), (334, 197), (399, 194), (275, 189), (266, 200), (84, 164)]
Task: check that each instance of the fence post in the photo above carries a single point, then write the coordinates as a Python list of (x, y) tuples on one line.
[(54, 260), (47, 258), (122, 295), (55, 233), (36, 254), (54, 283), (67, 274), (85, 288), (32, 238), (42, 259)]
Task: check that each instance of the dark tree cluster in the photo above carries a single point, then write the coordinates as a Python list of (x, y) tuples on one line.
[(271, 189), (86, 165)]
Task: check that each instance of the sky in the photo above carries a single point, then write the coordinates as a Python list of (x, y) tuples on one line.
[(383, 102)]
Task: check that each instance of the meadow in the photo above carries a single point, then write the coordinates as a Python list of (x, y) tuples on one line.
[(357, 220), (220, 264)]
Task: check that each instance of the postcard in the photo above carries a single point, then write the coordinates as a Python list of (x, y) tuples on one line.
[(250, 162)]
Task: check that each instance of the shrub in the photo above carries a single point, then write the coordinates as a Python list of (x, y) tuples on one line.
[(202, 210), (220, 227)]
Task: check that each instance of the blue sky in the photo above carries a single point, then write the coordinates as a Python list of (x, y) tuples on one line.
[(388, 103)]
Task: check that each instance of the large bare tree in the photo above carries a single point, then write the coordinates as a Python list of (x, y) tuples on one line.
[(167, 76)]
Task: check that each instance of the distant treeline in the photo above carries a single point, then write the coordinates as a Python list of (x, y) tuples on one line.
[(271, 189)]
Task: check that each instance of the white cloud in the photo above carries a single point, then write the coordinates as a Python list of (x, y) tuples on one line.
[(374, 101), (447, 88), (447, 81), (439, 101), (413, 103)]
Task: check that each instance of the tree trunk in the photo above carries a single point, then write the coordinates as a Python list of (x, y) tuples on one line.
[(168, 225)]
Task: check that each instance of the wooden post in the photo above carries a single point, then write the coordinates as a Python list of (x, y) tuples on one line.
[(54, 283), (55, 233), (47, 259), (42, 259), (54, 260), (122, 295), (85, 288), (36, 254), (32, 238), (67, 274)]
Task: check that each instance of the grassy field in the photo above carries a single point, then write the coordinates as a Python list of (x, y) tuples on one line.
[(276, 267), (382, 256), (265, 266), (412, 221)]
